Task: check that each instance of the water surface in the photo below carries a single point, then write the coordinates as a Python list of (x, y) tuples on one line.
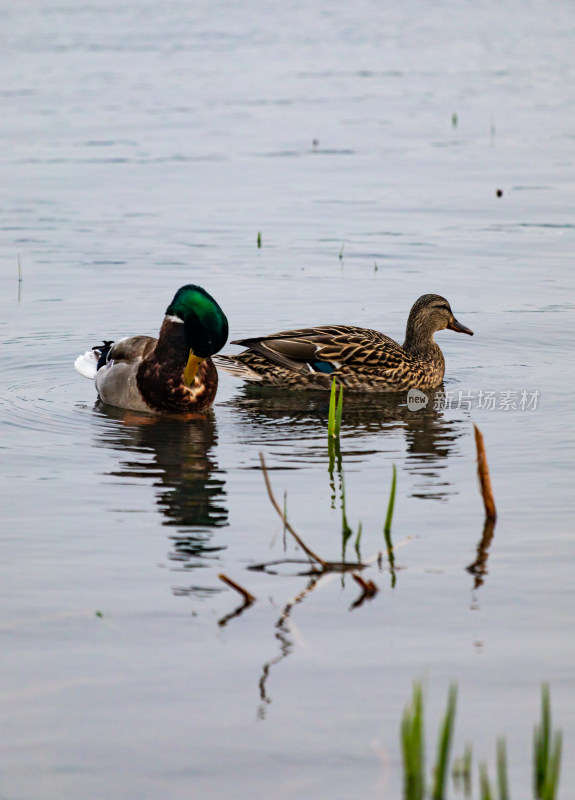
[(144, 146)]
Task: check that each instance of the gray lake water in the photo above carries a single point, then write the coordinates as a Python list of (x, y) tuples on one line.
[(144, 145)]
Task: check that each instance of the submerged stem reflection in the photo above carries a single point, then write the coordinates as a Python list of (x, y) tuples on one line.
[(286, 643), (336, 467)]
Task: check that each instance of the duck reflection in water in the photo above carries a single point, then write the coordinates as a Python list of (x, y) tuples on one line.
[(179, 455), (299, 418)]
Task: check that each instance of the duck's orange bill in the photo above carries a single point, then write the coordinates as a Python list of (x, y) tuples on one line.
[(457, 326), (191, 368)]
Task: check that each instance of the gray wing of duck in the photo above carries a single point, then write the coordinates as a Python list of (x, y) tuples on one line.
[(116, 380)]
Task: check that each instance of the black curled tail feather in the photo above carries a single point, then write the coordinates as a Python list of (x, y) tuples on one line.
[(102, 351)]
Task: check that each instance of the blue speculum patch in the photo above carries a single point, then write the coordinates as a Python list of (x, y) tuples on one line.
[(322, 366)]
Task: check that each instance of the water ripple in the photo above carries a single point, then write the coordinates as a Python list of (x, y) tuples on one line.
[(43, 397)]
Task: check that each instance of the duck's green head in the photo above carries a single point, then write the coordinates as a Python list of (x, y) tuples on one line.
[(205, 324)]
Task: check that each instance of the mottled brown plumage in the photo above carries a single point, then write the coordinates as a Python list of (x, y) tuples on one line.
[(358, 358)]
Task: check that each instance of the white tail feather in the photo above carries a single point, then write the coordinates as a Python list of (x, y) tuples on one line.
[(87, 365)]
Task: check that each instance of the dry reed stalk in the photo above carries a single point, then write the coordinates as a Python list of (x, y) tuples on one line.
[(248, 597), (274, 503), (484, 479)]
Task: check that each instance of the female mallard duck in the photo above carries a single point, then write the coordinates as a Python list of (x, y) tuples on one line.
[(360, 359), (170, 375)]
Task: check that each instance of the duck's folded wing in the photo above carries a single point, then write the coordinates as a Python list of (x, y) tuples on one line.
[(292, 353), (309, 349), (132, 348)]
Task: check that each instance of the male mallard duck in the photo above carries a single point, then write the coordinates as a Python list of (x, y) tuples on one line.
[(357, 358), (170, 375)]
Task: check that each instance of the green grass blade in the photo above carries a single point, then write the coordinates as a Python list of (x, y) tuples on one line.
[(331, 443), (331, 417), (387, 529), (391, 503), (390, 558), (502, 781), (541, 744), (552, 778), (418, 742), (407, 755), (413, 747), (485, 792), (444, 745), (339, 411)]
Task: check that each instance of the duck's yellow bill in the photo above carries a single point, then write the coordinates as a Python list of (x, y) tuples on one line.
[(191, 368)]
